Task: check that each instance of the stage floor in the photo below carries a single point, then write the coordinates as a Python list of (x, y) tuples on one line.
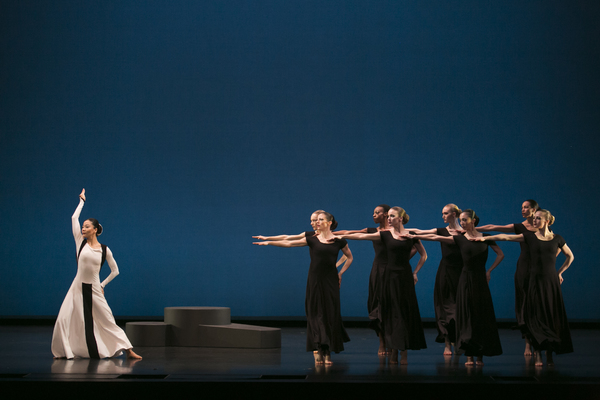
[(25, 358)]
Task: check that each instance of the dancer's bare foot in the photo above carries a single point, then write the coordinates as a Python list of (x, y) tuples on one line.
[(479, 362), (528, 352), (394, 357), (538, 358), (131, 354), (448, 348), (470, 361), (327, 358), (403, 357), (318, 357), (549, 358), (382, 350)]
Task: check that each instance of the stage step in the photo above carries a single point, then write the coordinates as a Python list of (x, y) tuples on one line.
[(239, 336), (184, 323), (201, 327), (147, 334)]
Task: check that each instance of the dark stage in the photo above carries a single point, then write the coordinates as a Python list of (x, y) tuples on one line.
[(27, 369)]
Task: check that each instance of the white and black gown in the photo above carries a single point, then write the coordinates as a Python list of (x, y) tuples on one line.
[(85, 326)]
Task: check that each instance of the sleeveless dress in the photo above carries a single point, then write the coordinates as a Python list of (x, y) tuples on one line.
[(401, 320), (324, 325), (476, 329), (85, 326), (375, 283), (521, 276), (544, 311), (444, 290)]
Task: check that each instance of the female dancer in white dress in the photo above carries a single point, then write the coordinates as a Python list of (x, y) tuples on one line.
[(85, 326)]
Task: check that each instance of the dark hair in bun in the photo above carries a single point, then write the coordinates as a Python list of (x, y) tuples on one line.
[(533, 204), (473, 216), (385, 207), (97, 225), (331, 218)]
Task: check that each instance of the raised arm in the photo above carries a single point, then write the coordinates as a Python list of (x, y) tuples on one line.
[(362, 236), (75, 221), (283, 243), (497, 261), (422, 259), (510, 228), (281, 237), (349, 259), (569, 259), (114, 269)]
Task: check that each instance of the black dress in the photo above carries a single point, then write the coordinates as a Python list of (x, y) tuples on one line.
[(444, 290), (324, 325), (375, 282), (544, 311), (401, 320), (476, 329), (521, 276)]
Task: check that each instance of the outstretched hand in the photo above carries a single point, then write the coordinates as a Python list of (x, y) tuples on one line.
[(407, 235), (259, 237), (82, 195), (261, 243)]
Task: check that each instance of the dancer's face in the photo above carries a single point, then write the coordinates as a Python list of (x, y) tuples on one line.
[(466, 222), (379, 215), (539, 220), (87, 229), (313, 221), (526, 210), (448, 215), (322, 223), (394, 218)]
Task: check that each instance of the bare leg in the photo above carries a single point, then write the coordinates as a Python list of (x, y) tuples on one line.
[(403, 357), (549, 358), (528, 352), (327, 357), (394, 357), (131, 354), (318, 357), (382, 350), (470, 361), (448, 349), (538, 358)]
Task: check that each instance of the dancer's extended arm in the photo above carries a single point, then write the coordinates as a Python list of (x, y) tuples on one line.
[(510, 228)]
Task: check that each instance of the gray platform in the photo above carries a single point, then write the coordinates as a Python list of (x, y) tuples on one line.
[(201, 327)]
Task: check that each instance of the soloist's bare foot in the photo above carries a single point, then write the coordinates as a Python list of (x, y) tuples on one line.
[(538, 359), (470, 361), (403, 357), (131, 354)]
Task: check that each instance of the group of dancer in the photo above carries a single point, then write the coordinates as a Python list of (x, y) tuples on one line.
[(463, 303), (85, 326)]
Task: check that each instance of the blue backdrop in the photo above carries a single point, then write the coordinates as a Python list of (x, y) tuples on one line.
[(195, 125)]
